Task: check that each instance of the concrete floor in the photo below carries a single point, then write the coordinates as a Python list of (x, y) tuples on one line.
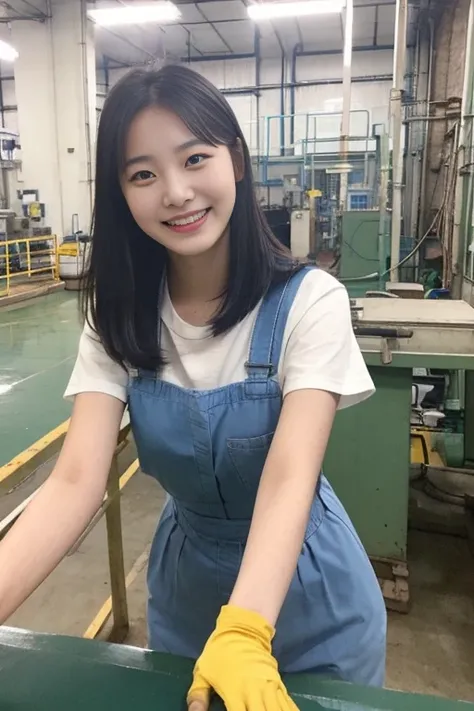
[(430, 650)]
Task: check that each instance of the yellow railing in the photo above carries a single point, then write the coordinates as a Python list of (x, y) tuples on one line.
[(19, 260), (44, 450)]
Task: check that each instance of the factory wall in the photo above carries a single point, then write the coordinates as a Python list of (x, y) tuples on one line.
[(447, 83), (48, 97), (319, 89)]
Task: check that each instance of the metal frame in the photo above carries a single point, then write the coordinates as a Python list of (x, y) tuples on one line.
[(42, 451), (6, 255)]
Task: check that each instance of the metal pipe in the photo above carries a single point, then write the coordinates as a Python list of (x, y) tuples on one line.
[(315, 82), (258, 66), (282, 106), (424, 168), (346, 99), (396, 104), (296, 49), (414, 119), (360, 48), (85, 87), (106, 74), (2, 112), (464, 183), (383, 203), (413, 147)]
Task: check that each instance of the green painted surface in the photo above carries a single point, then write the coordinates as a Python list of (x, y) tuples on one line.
[(38, 346), (360, 251), (48, 673), (368, 463), (469, 422), (445, 361)]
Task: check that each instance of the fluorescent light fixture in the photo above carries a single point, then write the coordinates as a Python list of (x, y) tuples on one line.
[(274, 10), (7, 52), (136, 14)]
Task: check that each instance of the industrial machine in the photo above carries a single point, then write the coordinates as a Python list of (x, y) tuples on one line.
[(22, 216), (41, 672), (371, 472)]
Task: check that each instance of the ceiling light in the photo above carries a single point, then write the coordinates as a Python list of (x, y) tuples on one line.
[(7, 52), (274, 10), (136, 14)]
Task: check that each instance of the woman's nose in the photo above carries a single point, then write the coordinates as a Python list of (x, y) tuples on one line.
[(177, 191)]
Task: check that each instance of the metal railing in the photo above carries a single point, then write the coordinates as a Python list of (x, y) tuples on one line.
[(44, 450), (27, 258)]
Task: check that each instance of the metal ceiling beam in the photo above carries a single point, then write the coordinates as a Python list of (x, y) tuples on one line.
[(300, 34), (209, 22), (368, 3), (129, 42), (18, 14), (275, 30), (34, 7), (32, 18)]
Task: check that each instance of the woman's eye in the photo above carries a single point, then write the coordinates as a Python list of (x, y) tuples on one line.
[(142, 175), (196, 159)]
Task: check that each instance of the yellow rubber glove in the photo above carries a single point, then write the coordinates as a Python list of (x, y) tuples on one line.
[(237, 663)]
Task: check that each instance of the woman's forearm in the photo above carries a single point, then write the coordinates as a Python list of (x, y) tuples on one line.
[(52, 522), (283, 504), (274, 544)]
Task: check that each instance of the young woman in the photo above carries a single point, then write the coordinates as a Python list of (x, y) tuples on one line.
[(232, 360)]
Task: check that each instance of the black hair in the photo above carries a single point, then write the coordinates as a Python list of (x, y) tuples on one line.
[(121, 290)]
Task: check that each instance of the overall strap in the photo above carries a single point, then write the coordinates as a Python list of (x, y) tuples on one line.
[(267, 337)]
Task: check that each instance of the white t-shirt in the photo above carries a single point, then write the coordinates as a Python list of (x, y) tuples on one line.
[(319, 350)]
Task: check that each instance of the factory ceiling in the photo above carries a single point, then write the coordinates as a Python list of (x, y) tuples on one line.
[(221, 28)]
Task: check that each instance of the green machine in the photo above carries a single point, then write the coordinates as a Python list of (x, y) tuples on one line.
[(364, 249), (48, 673), (368, 457)]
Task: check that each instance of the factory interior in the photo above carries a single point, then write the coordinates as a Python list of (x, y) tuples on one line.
[(359, 117)]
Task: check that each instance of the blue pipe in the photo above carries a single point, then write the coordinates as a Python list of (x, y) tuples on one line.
[(296, 50)]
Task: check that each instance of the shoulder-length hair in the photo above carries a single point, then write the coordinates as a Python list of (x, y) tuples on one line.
[(121, 291)]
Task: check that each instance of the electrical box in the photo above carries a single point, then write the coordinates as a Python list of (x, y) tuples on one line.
[(300, 233)]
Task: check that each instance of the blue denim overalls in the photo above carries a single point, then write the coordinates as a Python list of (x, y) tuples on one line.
[(207, 449)]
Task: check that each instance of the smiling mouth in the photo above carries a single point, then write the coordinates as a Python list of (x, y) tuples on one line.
[(189, 220)]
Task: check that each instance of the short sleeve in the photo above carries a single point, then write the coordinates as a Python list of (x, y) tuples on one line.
[(320, 350), (95, 371)]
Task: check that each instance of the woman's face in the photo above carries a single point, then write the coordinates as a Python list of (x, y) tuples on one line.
[(180, 191)]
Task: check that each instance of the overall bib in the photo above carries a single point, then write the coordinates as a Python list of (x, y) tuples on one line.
[(207, 449)]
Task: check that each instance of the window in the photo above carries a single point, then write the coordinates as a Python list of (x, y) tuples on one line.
[(359, 202)]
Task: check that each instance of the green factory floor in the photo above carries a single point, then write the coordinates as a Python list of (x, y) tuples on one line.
[(38, 345), (430, 650)]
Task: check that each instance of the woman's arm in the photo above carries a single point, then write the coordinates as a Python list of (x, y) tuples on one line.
[(283, 502), (61, 511)]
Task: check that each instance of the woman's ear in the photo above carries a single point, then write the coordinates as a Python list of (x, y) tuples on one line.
[(238, 160)]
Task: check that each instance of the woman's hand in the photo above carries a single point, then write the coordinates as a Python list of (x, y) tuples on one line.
[(237, 664)]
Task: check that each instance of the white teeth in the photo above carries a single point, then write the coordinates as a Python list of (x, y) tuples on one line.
[(188, 220)]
